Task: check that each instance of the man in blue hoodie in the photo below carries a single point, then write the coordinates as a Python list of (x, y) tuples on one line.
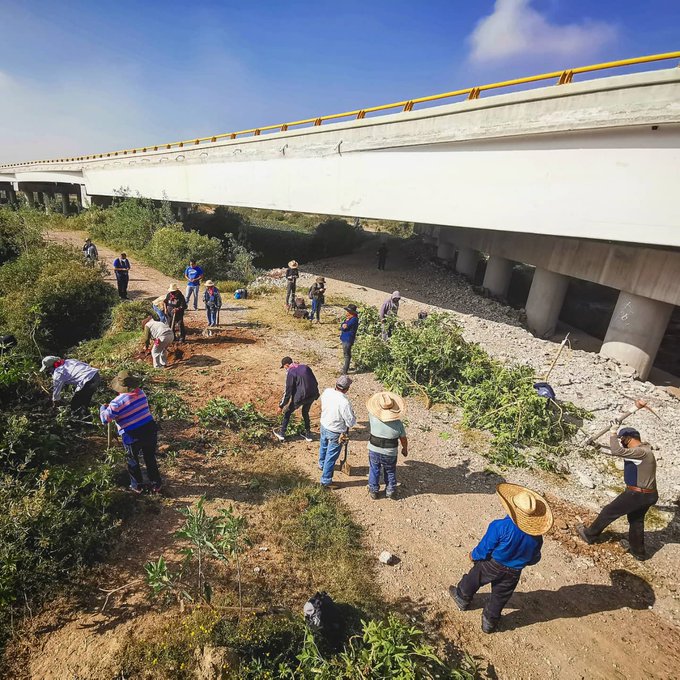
[(509, 545), (348, 334), (302, 390)]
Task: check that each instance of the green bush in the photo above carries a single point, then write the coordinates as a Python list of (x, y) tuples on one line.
[(20, 230), (334, 237), (432, 359), (128, 316), (51, 300), (170, 250), (130, 223)]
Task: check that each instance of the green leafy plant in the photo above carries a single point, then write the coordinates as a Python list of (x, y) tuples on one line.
[(220, 412)]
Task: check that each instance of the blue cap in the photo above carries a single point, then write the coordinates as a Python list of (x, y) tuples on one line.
[(628, 432)]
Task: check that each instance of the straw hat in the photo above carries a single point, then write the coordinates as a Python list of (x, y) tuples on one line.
[(527, 509), (125, 381), (386, 406), (209, 283), (174, 288), (293, 264)]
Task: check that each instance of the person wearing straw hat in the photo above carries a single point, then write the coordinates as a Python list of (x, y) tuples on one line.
[(385, 411), (137, 428), (317, 294), (175, 304), (292, 275), (212, 301), (159, 307), (509, 545)]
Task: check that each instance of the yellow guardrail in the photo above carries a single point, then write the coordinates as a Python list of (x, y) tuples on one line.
[(564, 77)]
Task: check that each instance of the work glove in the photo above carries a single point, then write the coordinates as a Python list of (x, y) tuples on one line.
[(614, 426)]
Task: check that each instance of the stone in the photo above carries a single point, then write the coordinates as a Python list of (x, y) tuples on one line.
[(258, 570), (674, 391), (585, 481), (386, 557), (213, 661)]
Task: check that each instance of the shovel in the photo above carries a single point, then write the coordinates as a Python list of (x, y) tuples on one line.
[(345, 466)]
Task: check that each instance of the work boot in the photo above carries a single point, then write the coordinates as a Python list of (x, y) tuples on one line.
[(281, 437), (488, 626), (581, 531), (373, 495), (307, 436), (461, 603)]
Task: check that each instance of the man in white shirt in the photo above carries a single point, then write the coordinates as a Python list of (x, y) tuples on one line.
[(337, 416), (82, 376), (160, 336)]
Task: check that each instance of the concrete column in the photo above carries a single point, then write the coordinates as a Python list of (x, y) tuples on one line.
[(182, 212), (466, 264), (635, 331), (446, 251), (12, 196), (30, 198), (65, 202), (545, 302), (497, 276), (47, 200)]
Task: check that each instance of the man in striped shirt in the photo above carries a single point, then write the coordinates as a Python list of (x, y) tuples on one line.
[(137, 428)]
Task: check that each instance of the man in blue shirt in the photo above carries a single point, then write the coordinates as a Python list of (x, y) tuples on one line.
[(193, 274), (121, 267), (348, 334), (509, 545)]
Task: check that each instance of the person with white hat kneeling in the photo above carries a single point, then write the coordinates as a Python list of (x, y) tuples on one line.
[(385, 410), (509, 545)]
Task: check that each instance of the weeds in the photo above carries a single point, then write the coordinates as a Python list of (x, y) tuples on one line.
[(431, 358), (253, 426)]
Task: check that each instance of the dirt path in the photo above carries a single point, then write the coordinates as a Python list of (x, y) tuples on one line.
[(582, 612)]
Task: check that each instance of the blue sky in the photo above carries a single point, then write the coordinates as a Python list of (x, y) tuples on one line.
[(82, 77)]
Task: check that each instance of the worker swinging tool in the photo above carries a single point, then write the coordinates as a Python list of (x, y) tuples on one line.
[(639, 474)]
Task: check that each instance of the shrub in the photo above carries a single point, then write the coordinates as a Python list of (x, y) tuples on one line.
[(128, 316), (20, 230), (220, 412), (52, 300), (334, 237), (129, 223), (431, 358)]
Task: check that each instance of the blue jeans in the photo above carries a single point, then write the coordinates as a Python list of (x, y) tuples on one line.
[(161, 316), (316, 308), (329, 452), (212, 315), (192, 290), (378, 462)]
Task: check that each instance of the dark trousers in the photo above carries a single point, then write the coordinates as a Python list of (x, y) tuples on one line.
[(122, 280), (290, 293), (634, 505), (503, 582), (82, 398), (143, 441), (288, 412), (347, 353), (381, 261), (317, 303), (178, 322)]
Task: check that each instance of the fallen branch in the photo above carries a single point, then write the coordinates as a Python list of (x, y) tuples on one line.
[(115, 590)]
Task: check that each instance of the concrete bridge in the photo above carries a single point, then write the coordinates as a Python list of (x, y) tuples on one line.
[(576, 178)]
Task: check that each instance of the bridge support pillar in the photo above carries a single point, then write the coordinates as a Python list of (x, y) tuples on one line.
[(446, 251), (497, 275), (466, 264), (182, 212), (544, 303), (30, 198), (635, 331), (11, 196), (65, 202)]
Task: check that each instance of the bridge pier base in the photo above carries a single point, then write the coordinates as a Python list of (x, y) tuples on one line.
[(544, 303), (497, 275), (635, 331), (466, 264), (446, 251)]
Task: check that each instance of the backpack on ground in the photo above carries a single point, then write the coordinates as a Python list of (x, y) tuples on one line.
[(322, 615), (240, 294)]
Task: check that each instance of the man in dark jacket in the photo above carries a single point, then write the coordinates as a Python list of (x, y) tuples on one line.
[(382, 256), (302, 390), (348, 334), (175, 304), (292, 275), (639, 473), (121, 268)]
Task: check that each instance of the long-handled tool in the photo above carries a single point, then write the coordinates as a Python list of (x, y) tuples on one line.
[(557, 356), (345, 466), (639, 404)]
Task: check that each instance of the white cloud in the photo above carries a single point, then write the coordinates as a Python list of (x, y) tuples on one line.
[(516, 29)]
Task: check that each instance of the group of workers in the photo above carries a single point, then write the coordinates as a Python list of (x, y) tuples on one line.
[(509, 544)]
